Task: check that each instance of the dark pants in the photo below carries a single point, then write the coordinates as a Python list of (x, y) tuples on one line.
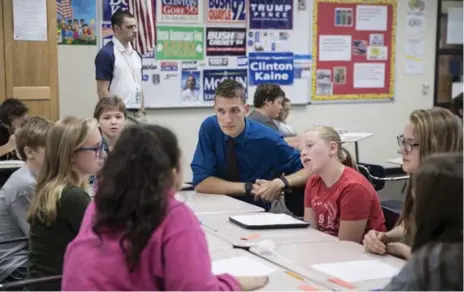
[(294, 201)]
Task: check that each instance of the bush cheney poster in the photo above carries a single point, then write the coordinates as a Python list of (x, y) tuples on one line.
[(222, 41)]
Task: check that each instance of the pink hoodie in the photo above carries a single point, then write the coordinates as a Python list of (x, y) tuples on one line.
[(176, 258)]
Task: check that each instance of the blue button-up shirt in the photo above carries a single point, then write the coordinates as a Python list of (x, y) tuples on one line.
[(261, 154)]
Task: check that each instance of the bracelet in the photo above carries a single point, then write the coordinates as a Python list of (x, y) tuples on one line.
[(286, 184)]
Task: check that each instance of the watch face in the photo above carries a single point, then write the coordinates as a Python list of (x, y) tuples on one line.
[(248, 186)]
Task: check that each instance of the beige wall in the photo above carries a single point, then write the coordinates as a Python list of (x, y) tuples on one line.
[(386, 120)]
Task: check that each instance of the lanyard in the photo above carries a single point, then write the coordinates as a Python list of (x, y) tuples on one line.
[(131, 67)]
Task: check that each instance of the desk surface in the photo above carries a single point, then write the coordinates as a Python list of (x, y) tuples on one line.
[(300, 257), (215, 243), (396, 161), (11, 164), (214, 204), (278, 281), (219, 224), (351, 137)]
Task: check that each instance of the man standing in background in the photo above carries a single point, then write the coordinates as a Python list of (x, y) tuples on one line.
[(118, 67)]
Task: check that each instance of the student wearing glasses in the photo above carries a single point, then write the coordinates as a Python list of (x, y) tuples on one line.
[(74, 152), (428, 131)]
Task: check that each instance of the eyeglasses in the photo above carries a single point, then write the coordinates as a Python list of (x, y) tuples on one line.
[(98, 150), (408, 146)]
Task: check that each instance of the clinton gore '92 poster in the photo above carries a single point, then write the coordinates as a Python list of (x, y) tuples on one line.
[(275, 14), (227, 11), (183, 11)]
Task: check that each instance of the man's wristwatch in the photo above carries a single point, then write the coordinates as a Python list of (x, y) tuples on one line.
[(286, 184), (248, 188)]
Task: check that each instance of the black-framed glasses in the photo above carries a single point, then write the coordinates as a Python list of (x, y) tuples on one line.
[(98, 150), (408, 146)]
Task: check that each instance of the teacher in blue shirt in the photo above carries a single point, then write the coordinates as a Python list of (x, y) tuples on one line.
[(245, 159)]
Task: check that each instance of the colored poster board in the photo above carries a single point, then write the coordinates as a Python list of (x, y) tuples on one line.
[(226, 11), (225, 41), (76, 22), (179, 43), (212, 78), (275, 14), (353, 50), (273, 67), (176, 11)]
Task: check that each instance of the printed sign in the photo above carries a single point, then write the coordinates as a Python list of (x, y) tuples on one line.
[(277, 14), (178, 10), (111, 6), (273, 67), (169, 66), (179, 43), (229, 11), (212, 78), (218, 62), (225, 41)]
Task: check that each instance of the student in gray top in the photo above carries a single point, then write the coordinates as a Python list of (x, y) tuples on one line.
[(16, 195), (436, 263)]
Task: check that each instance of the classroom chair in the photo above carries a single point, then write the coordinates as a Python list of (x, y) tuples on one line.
[(20, 285), (391, 217)]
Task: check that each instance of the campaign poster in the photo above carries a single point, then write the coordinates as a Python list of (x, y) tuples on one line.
[(212, 78), (226, 11), (276, 14), (179, 43), (190, 86), (223, 41), (272, 67), (111, 6), (76, 22), (179, 11)]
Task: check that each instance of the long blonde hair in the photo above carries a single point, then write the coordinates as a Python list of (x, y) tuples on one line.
[(57, 172), (436, 130), (329, 134)]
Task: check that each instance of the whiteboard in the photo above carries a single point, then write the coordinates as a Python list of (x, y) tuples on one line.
[(167, 78)]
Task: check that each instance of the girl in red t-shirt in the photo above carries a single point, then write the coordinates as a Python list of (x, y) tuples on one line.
[(339, 200)]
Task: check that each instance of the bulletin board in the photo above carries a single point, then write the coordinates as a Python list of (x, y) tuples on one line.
[(354, 44), (199, 43)]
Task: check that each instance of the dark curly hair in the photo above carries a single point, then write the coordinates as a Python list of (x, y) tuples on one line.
[(132, 197), (10, 109)]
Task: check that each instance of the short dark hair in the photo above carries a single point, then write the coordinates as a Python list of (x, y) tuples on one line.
[(456, 104), (230, 88), (133, 196), (109, 103), (12, 108), (286, 99), (438, 200), (118, 17), (267, 92)]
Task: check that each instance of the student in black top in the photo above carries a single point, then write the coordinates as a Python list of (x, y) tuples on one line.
[(13, 114), (74, 152), (456, 105)]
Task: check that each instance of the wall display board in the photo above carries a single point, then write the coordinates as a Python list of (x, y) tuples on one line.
[(199, 43), (353, 50)]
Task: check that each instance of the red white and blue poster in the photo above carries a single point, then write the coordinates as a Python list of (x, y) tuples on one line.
[(179, 11), (226, 11), (275, 14)]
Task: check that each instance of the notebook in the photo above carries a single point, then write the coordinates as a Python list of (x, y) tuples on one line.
[(267, 221)]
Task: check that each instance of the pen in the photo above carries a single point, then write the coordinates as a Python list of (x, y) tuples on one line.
[(296, 276), (341, 283)]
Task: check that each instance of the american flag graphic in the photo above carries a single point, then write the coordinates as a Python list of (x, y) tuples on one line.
[(144, 12), (106, 31), (64, 8)]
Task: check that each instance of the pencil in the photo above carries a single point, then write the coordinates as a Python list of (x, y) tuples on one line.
[(296, 276)]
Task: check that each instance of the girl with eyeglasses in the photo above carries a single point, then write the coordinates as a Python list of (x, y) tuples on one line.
[(428, 131), (74, 152)]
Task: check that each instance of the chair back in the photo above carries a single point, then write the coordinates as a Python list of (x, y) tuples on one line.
[(374, 173), (20, 285), (391, 217)]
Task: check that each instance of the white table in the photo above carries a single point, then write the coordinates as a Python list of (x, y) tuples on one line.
[(396, 161), (214, 204), (11, 164), (299, 257), (215, 243), (354, 137), (279, 280), (220, 225)]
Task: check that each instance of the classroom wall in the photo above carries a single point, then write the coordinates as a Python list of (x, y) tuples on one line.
[(77, 92)]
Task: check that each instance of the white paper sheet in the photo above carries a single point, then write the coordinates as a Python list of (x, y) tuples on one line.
[(335, 48), (266, 219), (242, 266), (369, 75), (371, 17), (357, 271), (30, 20), (454, 32)]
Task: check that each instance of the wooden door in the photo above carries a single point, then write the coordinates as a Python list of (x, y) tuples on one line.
[(29, 69)]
